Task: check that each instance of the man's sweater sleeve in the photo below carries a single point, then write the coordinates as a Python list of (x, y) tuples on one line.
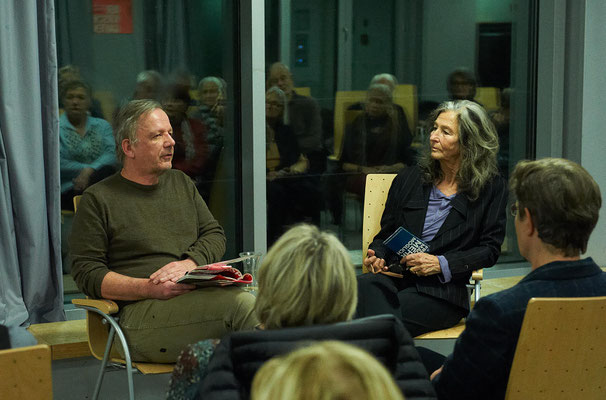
[(210, 245)]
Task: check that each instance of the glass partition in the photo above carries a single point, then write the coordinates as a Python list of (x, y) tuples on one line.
[(185, 55), (328, 52)]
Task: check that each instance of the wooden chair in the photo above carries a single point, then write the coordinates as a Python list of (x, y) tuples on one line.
[(101, 328), (303, 91), (561, 352), (25, 373), (377, 188), (489, 97), (406, 96), (344, 99)]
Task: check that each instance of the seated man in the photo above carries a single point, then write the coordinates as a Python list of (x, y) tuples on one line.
[(557, 207), (303, 112), (139, 230)]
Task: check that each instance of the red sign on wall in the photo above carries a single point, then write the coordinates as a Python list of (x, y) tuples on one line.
[(112, 16)]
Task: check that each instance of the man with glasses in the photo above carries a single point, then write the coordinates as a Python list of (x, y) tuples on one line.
[(557, 207)]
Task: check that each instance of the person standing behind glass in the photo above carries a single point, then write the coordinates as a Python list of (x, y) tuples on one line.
[(454, 201), (377, 141), (86, 144)]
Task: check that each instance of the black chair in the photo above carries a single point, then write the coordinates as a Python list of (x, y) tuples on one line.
[(239, 355)]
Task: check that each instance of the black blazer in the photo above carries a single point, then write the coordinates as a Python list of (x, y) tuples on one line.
[(239, 355), (480, 363), (470, 237)]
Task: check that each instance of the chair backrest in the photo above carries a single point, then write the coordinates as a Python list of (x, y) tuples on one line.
[(406, 97), (377, 188), (303, 91), (489, 97), (108, 103), (561, 351), (25, 373), (77, 202), (344, 99)]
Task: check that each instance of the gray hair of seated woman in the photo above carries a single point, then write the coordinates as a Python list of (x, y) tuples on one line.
[(479, 145), (220, 83), (306, 278), (283, 101), (328, 370)]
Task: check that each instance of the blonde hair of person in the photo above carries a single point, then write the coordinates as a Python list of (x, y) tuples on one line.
[(328, 370), (306, 278)]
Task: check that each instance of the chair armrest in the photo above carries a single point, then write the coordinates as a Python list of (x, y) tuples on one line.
[(105, 306), (478, 275)]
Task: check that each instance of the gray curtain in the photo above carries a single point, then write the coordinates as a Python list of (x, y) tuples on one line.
[(31, 288)]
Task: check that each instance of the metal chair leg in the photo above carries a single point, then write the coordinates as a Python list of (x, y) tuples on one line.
[(108, 347)]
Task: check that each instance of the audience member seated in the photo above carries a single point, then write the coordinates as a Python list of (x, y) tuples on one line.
[(329, 371), (307, 287), (149, 85), (190, 151), (288, 189), (303, 112), (86, 144), (70, 73), (391, 82), (137, 232), (212, 94), (455, 201), (461, 85), (557, 206), (378, 141)]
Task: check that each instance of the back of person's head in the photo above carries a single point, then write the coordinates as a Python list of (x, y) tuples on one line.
[(386, 79), (126, 122), (306, 278), (563, 200), (325, 371)]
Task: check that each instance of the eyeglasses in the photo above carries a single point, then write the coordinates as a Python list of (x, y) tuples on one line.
[(274, 104), (514, 209)]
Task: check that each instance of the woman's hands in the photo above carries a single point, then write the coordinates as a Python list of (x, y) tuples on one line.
[(422, 264), (373, 263)]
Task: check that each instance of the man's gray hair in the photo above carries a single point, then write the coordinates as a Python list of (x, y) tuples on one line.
[(385, 77), (126, 122)]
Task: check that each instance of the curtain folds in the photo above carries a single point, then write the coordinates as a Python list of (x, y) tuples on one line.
[(31, 288)]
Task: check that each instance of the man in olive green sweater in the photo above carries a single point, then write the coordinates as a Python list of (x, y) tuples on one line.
[(138, 231)]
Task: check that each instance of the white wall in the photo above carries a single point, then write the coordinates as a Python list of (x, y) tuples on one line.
[(594, 115)]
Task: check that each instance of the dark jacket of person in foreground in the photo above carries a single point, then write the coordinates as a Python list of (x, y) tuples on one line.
[(238, 357), (486, 348)]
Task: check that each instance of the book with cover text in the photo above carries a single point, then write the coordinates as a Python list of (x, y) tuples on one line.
[(404, 243)]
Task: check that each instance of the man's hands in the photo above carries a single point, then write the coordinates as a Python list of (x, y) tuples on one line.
[(167, 290), (373, 263), (162, 283), (422, 264), (172, 271)]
